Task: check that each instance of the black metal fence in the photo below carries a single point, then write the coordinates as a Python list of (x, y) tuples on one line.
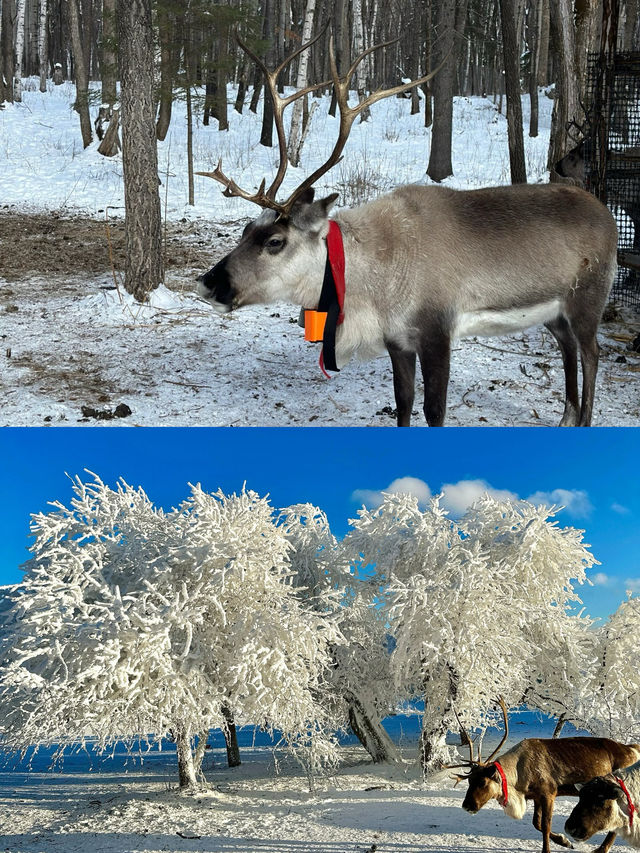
[(612, 158)]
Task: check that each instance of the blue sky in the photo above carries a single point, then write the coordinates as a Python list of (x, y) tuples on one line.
[(594, 472)]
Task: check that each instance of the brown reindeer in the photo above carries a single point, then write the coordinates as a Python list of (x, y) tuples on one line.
[(540, 769)]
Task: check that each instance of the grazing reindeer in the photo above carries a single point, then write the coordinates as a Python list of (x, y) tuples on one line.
[(608, 804), (427, 264), (539, 769)]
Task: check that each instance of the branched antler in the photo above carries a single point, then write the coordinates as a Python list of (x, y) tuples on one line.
[(267, 197), (466, 740)]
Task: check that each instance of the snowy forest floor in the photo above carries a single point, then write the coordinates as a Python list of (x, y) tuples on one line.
[(363, 808), (72, 340)]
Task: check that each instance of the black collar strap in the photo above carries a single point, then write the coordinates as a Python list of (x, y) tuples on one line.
[(332, 296)]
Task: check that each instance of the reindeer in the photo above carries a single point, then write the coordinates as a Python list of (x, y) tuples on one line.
[(539, 769), (427, 264), (608, 803)]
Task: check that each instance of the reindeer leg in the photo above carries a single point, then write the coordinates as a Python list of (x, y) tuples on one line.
[(544, 821), (561, 331), (435, 358), (403, 364), (606, 844)]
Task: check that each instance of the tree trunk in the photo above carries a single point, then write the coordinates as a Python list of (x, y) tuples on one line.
[(143, 231), (543, 61), (511, 55), (110, 145), (534, 31), (358, 47), (562, 719), (427, 87), (187, 777), (8, 8), (295, 134), (109, 64), (565, 106), (43, 42), (371, 733), (17, 73), (231, 738), (440, 166), (266, 135), (82, 82)]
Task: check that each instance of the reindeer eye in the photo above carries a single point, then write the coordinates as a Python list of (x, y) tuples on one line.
[(274, 243)]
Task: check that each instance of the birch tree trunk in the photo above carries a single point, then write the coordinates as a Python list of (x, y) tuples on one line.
[(42, 45), (143, 231), (82, 82), (294, 146), (358, 47), (17, 73)]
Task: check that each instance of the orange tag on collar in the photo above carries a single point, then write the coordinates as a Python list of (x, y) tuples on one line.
[(314, 325)]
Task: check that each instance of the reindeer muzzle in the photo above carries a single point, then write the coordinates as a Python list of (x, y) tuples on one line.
[(215, 287)]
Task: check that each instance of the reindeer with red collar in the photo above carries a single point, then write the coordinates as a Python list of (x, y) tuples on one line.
[(423, 265), (540, 769), (608, 804)]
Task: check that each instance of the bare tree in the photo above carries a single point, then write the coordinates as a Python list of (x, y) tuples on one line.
[(43, 45), (440, 166), (82, 80), (143, 232), (109, 63), (6, 42), (511, 53), (17, 71), (566, 104), (295, 134)]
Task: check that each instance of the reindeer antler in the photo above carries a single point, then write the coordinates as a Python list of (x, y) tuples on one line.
[(267, 198), (466, 739), (505, 717)]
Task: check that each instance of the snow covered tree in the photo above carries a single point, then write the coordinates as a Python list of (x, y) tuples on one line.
[(465, 600), (135, 623), (358, 689), (612, 695)]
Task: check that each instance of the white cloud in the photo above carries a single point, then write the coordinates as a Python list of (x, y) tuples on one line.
[(458, 497), (600, 579), (632, 584), (402, 486), (575, 501), (620, 509)]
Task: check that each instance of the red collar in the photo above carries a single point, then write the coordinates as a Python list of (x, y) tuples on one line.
[(335, 251), (505, 790), (632, 808)]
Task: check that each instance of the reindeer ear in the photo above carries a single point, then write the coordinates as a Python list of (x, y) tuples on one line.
[(309, 215)]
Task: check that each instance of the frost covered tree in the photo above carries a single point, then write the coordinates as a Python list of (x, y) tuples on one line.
[(132, 622), (612, 698), (466, 600), (358, 689)]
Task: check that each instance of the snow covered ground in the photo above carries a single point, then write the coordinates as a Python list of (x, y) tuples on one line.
[(71, 340), (117, 807)]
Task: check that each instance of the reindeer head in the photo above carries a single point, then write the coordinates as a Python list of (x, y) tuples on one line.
[(602, 807), (281, 254), (279, 258), (485, 781)]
